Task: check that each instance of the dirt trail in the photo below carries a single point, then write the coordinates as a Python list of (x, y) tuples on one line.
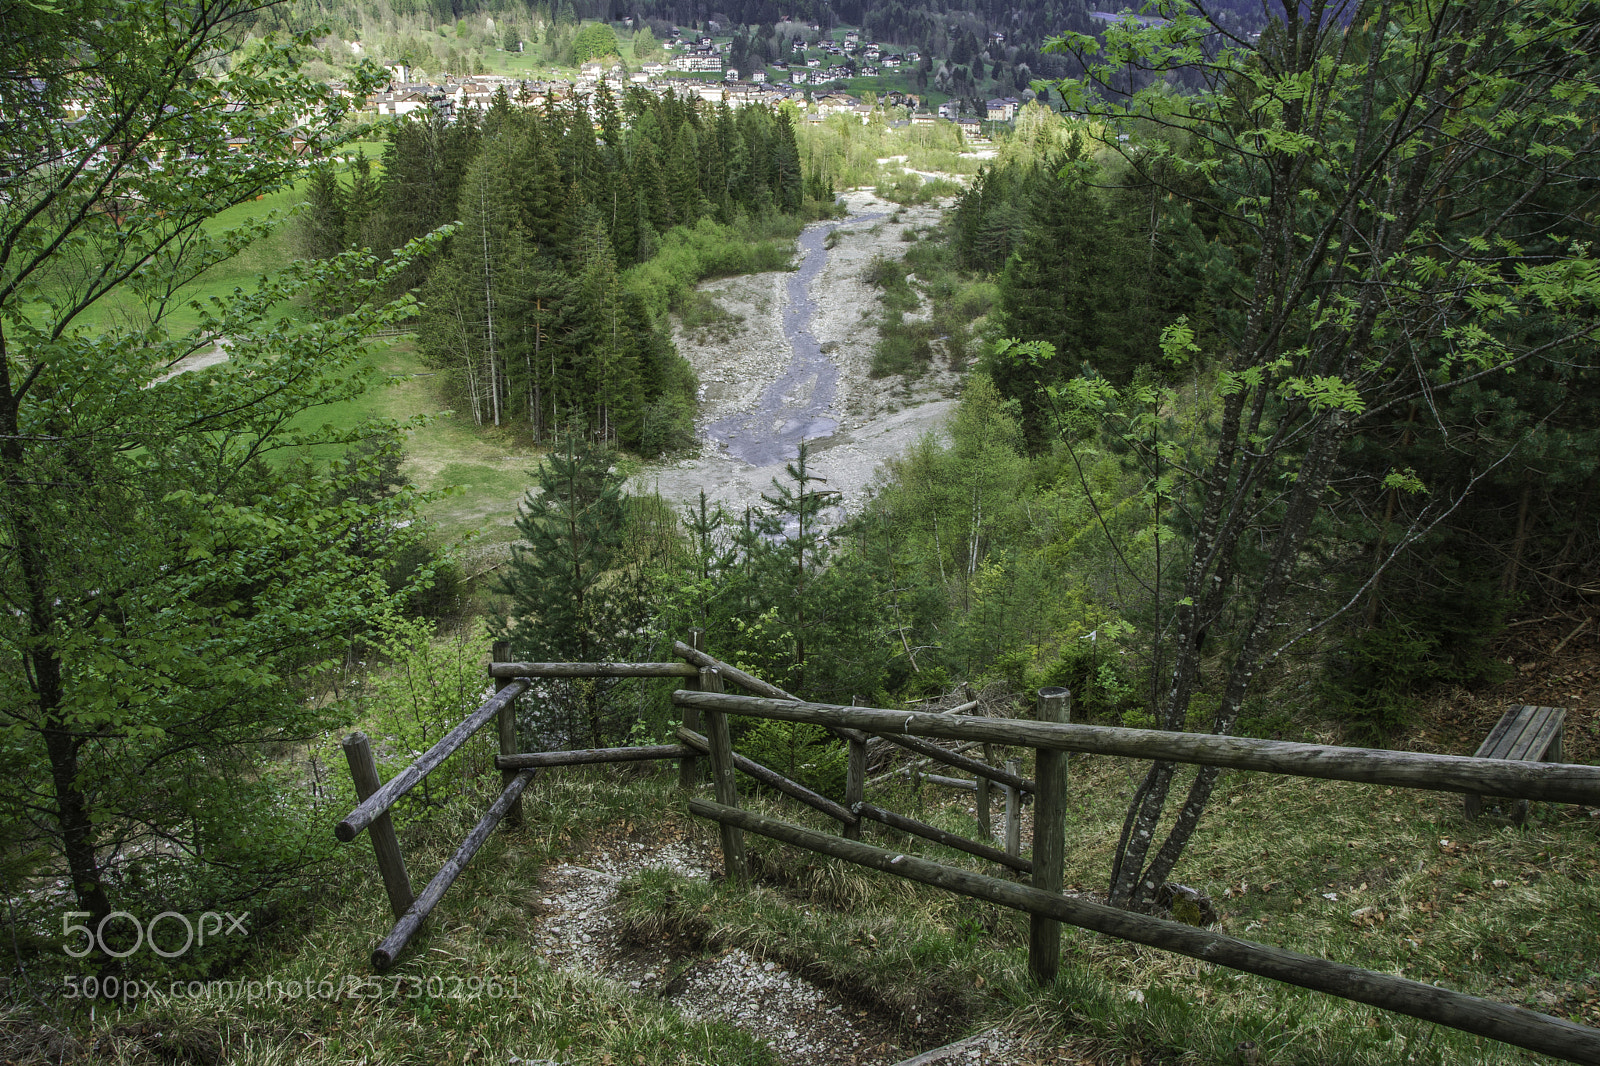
[(580, 928), (790, 362)]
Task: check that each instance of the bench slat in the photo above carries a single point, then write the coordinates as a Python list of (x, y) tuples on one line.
[(1535, 735), (1523, 734), (1497, 735), (1521, 718)]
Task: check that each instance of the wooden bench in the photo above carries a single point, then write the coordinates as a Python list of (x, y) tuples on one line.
[(1531, 734)]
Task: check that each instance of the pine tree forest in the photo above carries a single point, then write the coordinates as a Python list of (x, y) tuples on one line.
[(535, 309)]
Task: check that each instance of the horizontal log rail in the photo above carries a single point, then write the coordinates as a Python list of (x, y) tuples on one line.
[(523, 760), (751, 683), (949, 782), (407, 779), (1552, 782), (1498, 1021), (768, 776), (940, 836), (907, 769), (384, 954), (961, 762), (508, 670)]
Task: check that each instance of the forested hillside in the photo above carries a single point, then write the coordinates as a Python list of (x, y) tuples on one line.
[(547, 306)]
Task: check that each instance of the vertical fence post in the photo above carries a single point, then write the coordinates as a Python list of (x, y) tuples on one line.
[(1049, 840), (727, 790), (985, 829), (689, 765), (507, 723), (1013, 813), (385, 846), (855, 783)]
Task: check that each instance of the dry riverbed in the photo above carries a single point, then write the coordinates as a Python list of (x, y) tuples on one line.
[(763, 388)]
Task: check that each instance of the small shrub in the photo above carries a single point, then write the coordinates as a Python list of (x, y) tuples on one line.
[(901, 349), (1101, 687), (800, 752)]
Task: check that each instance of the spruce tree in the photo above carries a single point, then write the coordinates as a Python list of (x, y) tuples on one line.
[(563, 608), (322, 230)]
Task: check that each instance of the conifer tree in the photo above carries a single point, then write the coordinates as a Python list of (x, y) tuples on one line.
[(541, 192), (360, 202), (563, 608), (475, 299), (322, 231), (797, 507)]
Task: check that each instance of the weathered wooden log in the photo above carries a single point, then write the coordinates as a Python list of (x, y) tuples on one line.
[(1013, 815), (768, 776), (939, 836), (385, 845), (384, 954), (719, 743), (499, 669), (689, 766), (950, 782), (1049, 837), (507, 722), (1556, 782), (985, 825), (523, 760), (407, 779), (1498, 1021), (960, 762), (855, 784), (751, 683), (902, 771)]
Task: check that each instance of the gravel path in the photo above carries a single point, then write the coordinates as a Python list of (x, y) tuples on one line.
[(580, 929)]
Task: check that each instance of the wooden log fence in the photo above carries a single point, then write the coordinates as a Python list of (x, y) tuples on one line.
[(793, 789), (960, 762), (385, 845), (510, 743), (1498, 1021), (720, 744), (511, 680), (1052, 736), (1049, 837), (940, 836), (524, 760), (689, 767), (407, 779), (384, 954), (1553, 782)]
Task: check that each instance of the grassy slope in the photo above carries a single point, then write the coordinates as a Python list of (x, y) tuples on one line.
[(1481, 907), (469, 988), (1511, 914), (481, 473), (477, 469)]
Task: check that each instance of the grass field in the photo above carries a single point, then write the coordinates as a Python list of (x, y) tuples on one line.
[(479, 473)]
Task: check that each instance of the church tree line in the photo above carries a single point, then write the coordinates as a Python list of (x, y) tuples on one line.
[(538, 309)]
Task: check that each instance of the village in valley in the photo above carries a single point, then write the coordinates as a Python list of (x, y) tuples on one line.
[(813, 78)]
